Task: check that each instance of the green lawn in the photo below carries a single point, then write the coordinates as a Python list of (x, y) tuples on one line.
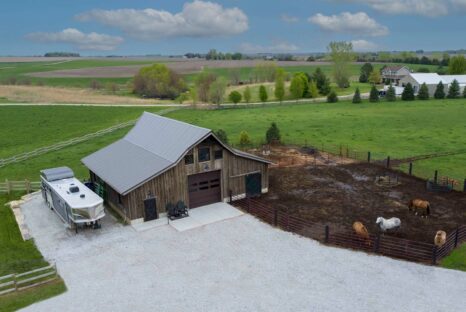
[(30, 127), (20, 256), (457, 259), (398, 129)]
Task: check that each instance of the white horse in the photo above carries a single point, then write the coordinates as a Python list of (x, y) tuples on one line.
[(389, 224)]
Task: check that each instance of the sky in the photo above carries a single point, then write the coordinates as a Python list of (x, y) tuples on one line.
[(141, 27)]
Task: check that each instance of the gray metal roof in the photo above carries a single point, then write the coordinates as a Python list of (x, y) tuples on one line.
[(154, 145), (59, 173)]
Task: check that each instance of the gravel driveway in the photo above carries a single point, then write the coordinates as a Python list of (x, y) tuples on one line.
[(238, 264)]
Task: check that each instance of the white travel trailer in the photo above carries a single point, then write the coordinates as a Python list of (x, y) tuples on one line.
[(73, 202)]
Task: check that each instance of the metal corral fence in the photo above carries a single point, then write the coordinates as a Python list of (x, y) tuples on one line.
[(8, 187), (379, 244), (14, 282)]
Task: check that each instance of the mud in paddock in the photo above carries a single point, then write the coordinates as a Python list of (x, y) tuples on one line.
[(338, 194)]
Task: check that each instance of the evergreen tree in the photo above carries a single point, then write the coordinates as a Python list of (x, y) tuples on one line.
[(391, 94), (221, 135), (366, 70), (408, 93), (332, 97), (323, 83), (439, 91), (263, 96), (464, 92), (273, 134), (454, 90), (423, 92), (357, 97), (247, 95), (374, 95)]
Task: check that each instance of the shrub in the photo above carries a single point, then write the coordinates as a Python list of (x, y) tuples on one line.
[(203, 82), (244, 138), (391, 94), (297, 87), (112, 87), (273, 134), (280, 84), (408, 93), (95, 85), (235, 97), (332, 97), (263, 96), (217, 90), (313, 91), (440, 91), (454, 90), (247, 95), (158, 81), (423, 92), (374, 95), (357, 97), (221, 135)]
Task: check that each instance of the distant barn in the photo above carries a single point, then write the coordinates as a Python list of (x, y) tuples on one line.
[(172, 161)]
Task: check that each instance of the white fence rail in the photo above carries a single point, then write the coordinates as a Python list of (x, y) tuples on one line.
[(11, 186), (14, 282)]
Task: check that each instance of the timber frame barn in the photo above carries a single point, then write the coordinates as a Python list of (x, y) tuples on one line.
[(169, 161)]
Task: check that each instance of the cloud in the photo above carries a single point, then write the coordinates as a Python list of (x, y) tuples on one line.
[(197, 19), (431, 8), (279, 47), (363, 45), (90, 41), (459, 4), (289, 19), (358, 23)]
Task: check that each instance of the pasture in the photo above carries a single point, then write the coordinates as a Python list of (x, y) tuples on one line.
[(397, 129)]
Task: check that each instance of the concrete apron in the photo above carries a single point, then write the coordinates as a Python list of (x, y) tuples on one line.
[(205, 215)]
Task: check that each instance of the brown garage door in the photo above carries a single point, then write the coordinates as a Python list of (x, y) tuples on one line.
[(204, 189)]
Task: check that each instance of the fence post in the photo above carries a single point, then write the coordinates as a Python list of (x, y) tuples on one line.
[(434, 255), (327, 233), (14, 282), (435, 176), (410, 168), (368, 157), (377, 243), (275, 217), (388, 162), (27, 185), (8, 186), (456, 236)]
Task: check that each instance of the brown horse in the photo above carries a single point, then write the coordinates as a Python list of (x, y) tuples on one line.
[(419, 205), (362, 232)]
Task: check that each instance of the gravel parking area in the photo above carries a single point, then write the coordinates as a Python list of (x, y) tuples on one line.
[(239, 264)]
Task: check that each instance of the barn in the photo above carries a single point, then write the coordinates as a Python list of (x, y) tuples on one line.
[(168, 161)]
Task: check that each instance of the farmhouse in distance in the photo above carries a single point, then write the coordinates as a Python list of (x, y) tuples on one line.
[(173, 162)]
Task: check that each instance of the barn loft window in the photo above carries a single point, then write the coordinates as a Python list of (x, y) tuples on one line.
[(218, 154), (189, 159), (204, 154)]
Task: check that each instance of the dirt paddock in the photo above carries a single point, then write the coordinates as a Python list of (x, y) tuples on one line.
[(338, 192)]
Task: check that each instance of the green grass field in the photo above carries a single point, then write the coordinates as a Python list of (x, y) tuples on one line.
[(400, 130), (18, 256), (457, 259)]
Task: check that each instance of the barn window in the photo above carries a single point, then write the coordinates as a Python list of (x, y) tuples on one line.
[(204, 154), (218, 154), (189, 159)]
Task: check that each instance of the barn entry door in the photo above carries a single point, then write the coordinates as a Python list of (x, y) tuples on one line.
[(150, 209), (253, 185)]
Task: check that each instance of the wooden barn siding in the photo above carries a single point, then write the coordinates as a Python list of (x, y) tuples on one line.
[(172, 185)]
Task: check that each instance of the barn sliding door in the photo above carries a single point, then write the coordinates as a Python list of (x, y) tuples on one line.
[(253, 185)]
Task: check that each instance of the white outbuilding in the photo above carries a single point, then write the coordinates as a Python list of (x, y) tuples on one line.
[(432, 80)]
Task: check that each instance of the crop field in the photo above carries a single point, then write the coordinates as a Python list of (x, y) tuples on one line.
[(398, 129)]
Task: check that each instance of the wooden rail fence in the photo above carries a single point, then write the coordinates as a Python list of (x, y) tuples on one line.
[(11, 186), (379, 244), (14, 282)]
